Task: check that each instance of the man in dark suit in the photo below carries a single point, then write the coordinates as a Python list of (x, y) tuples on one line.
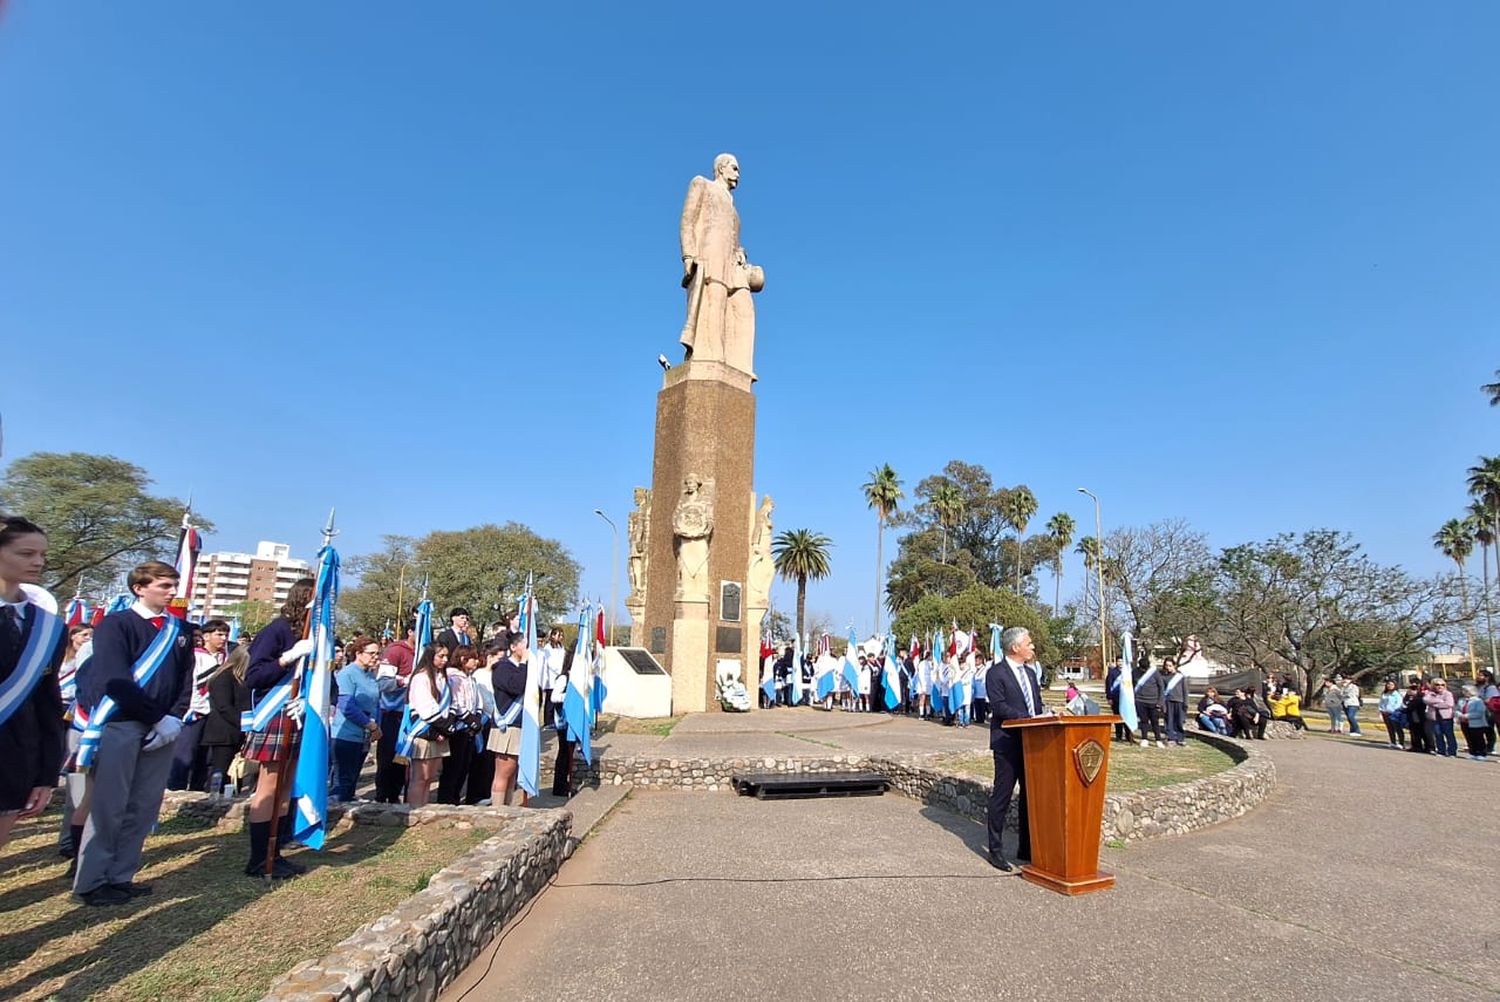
[(1014, 694)]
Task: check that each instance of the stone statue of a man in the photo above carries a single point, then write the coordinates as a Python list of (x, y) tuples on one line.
[(692, 525), (718, 277), (637, 532), (762, 563)]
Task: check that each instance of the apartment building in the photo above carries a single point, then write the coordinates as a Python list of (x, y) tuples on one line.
[(226, 578)]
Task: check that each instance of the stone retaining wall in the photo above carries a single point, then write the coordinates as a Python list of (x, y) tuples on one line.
[(709, 775), (418, 948), (1166, 810)]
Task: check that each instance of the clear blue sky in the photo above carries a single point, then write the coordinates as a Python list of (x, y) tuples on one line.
[(1235, 265)]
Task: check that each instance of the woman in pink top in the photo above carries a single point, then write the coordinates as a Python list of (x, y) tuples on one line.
[(1440, 715)]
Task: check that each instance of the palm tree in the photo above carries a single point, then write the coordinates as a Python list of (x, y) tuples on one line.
[(1060, 529), (1088, 549), (883, 493), (1456, 541), (801, 555), (1020, 505), (1479, 526), (1484, 487), (948, 501), (1492, 390)]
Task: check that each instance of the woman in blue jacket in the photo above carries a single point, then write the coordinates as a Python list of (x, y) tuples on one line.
[(355, 725)]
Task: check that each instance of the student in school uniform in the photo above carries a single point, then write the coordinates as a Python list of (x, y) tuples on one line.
[(33, 645), (134, 689)]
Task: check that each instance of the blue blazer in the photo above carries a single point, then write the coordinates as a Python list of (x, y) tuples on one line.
[(1008, 702)]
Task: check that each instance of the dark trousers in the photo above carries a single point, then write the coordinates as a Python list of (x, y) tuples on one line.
[(1176, 721), (390, 776), (562, 772), (1442, 736), (220, 757), (1393, 730), (455, 771), (1010, 769), (348, 759), (1122, 733), (481, 771), (548, 712), (1421, 734), (1149, 715), (1475, 738), (189, 760), (981, 709)]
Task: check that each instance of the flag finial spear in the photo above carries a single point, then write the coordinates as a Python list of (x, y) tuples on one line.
[(328, 530)]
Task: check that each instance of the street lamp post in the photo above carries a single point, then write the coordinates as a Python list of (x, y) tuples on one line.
[(614, 568), (1099, 567)]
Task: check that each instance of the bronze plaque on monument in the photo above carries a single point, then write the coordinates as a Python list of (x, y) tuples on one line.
[(728, 639), (729, 602)]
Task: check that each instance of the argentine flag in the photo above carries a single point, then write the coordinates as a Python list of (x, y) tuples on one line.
[(850, 669), (892, 674), (578, 703), (1127, 685), (310, 781), (529, 771), (797, 671)]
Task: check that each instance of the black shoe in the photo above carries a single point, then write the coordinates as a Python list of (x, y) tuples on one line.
[(104, 895), (133, 889), (280, 869), (297, 869), (999, 862)]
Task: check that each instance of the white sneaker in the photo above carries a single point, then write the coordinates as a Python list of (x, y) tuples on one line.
[(1161, 744), (1144, 742)]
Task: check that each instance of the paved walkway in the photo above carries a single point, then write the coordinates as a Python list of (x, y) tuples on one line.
[(1347, 883)]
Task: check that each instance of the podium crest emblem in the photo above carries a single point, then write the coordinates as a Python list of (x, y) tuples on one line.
[(1089, 758)]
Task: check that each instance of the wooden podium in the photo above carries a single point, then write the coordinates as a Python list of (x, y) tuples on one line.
[(1067, 764)]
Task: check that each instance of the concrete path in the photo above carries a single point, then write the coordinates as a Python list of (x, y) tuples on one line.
[(1346, 884)]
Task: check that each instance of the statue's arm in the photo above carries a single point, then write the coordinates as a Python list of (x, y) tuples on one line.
[(691, 207)]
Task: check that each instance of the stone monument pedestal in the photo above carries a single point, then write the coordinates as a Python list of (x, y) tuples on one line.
[(705, 428)]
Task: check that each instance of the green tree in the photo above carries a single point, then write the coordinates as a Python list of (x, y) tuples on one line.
[(483, 569), (100, 518), (918, 570), (1060, 529), (1019, 507), (1492, 390), (1456, 542), (1484, 488), (1318, 606), (801, 555), (253, 615), (975, 608), (1479, 528), (883, 494), (948, 501)]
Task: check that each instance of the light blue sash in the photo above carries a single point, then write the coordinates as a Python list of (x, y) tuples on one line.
[(146, 667), (271, 704), (46, 631), (1173, 682), (414, 727)]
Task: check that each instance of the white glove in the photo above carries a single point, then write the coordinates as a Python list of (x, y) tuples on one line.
[(300, 649), (164, 733), (295, 709)]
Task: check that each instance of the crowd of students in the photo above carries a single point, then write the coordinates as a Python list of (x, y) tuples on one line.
[(145, 700)]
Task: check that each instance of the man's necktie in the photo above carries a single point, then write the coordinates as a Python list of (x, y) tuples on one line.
[(1026, 690), (10, 626), (158, 621)]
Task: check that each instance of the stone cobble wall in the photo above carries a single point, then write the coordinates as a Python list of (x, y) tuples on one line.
[(415, 950), (1166, 810), (709, 775)]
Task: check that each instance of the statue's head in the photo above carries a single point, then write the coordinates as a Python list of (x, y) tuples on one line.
[(691, 484), (640, 496), (727, 168)]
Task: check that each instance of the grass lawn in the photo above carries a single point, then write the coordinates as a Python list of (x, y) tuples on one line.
[(208, 932), (658, 727), (1131, 767)]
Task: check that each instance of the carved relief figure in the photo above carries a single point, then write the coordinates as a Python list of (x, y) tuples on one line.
[(637, 536), (718, 277), (692, 525), (762, 565)]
